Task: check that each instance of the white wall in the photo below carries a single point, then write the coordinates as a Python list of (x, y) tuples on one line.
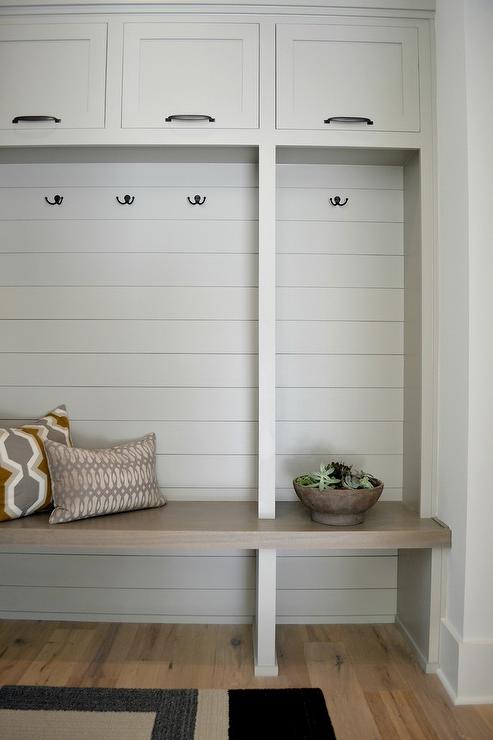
[(465, 109)]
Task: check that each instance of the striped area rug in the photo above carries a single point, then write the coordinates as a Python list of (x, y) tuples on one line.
[(51, 713)]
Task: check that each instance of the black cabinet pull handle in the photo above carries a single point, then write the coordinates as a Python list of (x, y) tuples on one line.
[(349, 119), (36, 118), (189, 117)]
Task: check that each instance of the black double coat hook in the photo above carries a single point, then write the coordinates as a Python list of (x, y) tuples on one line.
[(336, 201), (197, 200), (127, 200), (57, 200)]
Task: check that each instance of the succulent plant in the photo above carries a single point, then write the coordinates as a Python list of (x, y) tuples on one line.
[(337, 475), (321, 480)]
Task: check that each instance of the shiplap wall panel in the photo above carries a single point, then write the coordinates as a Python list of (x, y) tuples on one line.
[(339, 337), (148, 404), (340, 176), (173, 437), (207, 471), (119, 601), (118, 174), (150, 203), (137, 235), (102, 336), (341, 437), (47, 585), (199, 303), (337, 602), (128, 571), (307, 204), (339, 404), (386, 371), (340, 304), (339, 271), (336, 572), (202, 572), (180, 359), (181, 270), (350, 237), (129, 370), (340, 298)]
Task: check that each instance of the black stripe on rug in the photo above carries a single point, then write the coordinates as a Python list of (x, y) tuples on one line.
[(287, 714), (248, 714)]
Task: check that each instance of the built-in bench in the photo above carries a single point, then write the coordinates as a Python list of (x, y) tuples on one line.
[(217, 525)]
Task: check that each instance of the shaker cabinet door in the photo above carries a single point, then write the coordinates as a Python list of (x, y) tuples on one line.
[(189, 75), (52, 75), (361, 77)]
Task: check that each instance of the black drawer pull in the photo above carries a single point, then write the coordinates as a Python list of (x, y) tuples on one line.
[(36, 118), (189, 117), (349, 119)]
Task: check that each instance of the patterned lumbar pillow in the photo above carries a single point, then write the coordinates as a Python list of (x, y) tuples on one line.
[(25, 485), (95, 482)]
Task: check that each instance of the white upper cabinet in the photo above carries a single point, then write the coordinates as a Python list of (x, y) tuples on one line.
[(183, 75), (347, 72), (52, 75)]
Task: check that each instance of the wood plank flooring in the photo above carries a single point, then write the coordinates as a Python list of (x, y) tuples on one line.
[(374, 688)]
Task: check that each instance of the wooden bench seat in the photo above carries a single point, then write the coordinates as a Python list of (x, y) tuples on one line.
[(217, 525)]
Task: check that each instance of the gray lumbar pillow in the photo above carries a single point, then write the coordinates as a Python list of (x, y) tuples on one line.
[(95, 482)]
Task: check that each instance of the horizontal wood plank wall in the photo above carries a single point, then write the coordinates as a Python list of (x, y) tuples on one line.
[(196, 587), (143, 318), (340, 277), (138, 317)]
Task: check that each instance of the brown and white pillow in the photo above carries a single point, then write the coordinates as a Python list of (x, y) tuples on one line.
[(90, 483), (25, 485)]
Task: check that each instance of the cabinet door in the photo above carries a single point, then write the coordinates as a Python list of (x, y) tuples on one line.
[(209, 70), (53, 70), (329, 71)]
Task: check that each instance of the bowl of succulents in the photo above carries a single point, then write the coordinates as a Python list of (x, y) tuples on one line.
[(338, 494)]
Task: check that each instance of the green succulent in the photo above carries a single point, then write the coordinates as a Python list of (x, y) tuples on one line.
[(323, 479), (337, 475)]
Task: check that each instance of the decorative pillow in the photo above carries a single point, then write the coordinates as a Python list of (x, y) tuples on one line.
[(25, 485), (95, 482)]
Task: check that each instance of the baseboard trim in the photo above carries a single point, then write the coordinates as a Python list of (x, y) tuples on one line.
[(191, 619), (425, 665), (459, 701), (473, 662)]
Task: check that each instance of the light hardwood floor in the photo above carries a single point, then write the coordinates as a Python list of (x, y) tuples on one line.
[(373, 686)]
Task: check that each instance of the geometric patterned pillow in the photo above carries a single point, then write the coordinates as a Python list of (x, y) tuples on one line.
[(90, 483), (25, 485)]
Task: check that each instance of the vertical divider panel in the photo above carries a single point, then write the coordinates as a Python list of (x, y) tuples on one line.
[(266, 333), (264, 633)]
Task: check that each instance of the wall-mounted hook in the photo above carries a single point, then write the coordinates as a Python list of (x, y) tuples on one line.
[(336, 201), (197, 200), (57, 200), (127, 200)]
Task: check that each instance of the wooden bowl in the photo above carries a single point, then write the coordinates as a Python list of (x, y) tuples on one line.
[(338, 506)]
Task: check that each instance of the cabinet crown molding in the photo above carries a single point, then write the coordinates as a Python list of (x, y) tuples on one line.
[(373, 5)]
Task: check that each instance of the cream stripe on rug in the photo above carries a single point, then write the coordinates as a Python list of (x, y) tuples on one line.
[(212, 720), (29, 724)]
